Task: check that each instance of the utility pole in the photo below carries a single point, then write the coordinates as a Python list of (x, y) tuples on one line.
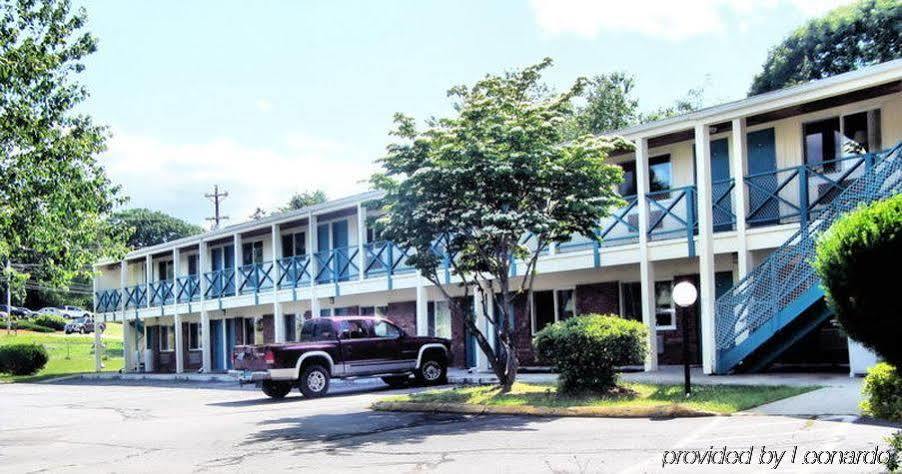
[(9, 298), (216, 197)]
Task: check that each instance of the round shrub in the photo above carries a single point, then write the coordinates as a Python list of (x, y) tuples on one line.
[(856, 260), (585, 350), (22, 359), (52, 321), (883, 392)]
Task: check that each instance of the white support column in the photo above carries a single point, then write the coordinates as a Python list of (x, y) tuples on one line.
[(312, 243), (646, 266), (98, 353), (422, 307), (482, 362), (739, 164), (278, 319), (127, 348), (705, 247), (361, 239), (206, 354), (177, 318), (148, 277), (239, 258)]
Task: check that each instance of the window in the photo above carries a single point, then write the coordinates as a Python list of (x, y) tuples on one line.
[(192, 264), (371, 235), (631, 301), (194, 336), (294, 244), (665, 315), (821, 140), (317, 330), (385, 329), (439, 319), (249, 331), (373, 310), (252, 252), (165, 270), (659, 176), (542, 309), (565, 304), (344, 311), (659, 173), (167, 338), (354, 329)]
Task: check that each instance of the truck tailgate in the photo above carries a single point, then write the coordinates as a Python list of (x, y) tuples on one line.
[(249, 358)]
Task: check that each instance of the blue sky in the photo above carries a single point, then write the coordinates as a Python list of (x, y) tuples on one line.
[(268, 98)]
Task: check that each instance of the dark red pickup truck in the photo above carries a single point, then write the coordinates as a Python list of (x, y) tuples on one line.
[(342, 347)]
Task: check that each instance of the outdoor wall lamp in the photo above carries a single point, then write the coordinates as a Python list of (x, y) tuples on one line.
[(684, 296)]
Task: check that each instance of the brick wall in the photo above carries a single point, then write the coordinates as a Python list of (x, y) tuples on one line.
[(601, 298), (672, 340), (404, 314)]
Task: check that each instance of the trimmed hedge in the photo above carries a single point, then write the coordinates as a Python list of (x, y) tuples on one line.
[(883, 392), (52, 321), (25, 324), (855, 260), (585, 350), (22, 359)]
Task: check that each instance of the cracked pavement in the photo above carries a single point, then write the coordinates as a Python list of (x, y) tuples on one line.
[(78, 426)]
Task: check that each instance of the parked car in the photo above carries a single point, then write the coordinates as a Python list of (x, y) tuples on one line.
[(15, 311), (53, 311), (75, 312), (83, 325), (342, 347)]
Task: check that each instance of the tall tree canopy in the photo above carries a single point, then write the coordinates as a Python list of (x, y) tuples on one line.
[(54, 195), (146, 227), (608, 102), (847, 38), (494, 184), (304, 199)]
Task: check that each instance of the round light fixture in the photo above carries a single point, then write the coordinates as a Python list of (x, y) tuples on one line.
[(684, 294)]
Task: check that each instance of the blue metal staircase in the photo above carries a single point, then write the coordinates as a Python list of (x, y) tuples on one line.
[(784, 287)]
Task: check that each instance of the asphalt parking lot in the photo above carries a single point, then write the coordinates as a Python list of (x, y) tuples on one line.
[(82, 426)]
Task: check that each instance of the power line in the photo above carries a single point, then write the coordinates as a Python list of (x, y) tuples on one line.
[(216, 197)]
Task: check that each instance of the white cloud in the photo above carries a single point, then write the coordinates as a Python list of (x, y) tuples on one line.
[(174, 177), (668, 19)]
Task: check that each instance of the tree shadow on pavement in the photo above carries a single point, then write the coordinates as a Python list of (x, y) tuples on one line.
[(358, 429)]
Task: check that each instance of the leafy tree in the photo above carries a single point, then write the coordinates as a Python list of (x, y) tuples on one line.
[(477, 183), (54, 195), (847, 38), (147, 227), (692, 101), (609, 104), (258, 214), (304, 199)]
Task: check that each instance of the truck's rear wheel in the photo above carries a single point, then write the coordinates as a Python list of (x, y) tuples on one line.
[(432, 372), (276, 389), (314, 381)]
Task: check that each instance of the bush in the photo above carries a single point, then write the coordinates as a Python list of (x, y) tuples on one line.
[(22, 359), (25, 325), (853, 258), (883, 392), (52, 321), (586, 349)]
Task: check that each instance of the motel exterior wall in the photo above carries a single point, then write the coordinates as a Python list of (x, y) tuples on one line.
[(595, 274)]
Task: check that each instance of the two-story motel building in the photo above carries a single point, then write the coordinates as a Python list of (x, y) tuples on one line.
[(710, 196)]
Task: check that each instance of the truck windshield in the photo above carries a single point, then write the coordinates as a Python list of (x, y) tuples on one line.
[(317, 330)]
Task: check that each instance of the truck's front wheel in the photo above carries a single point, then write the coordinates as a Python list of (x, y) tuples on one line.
[(276, 389), (314, 381)]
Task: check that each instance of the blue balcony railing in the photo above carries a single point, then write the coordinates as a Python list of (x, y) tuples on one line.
[(723, 213), (255, 277), (294, 271), (135, 296), (798, 193), (220, 283), (187, 288), (108, 300), (339, 264), (672, 214), (386, 258), (162, 292)]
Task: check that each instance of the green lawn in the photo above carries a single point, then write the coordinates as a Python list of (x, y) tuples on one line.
[(708, 398), (68, 354)]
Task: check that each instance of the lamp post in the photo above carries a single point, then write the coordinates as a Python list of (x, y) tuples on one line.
[(684, 296)]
